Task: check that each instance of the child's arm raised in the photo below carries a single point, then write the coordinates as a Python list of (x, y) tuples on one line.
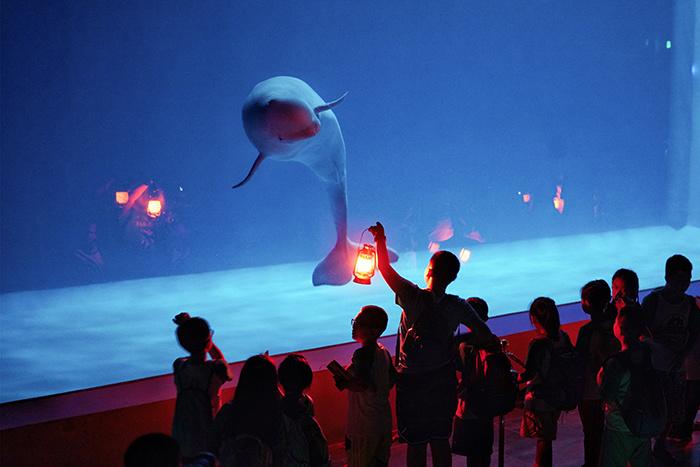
[(215, 353), (392, 278), (225, 372)]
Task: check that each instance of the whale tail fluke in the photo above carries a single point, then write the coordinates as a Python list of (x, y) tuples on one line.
[(252, 170), (337, 267)]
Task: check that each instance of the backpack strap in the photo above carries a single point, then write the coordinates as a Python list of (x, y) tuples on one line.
[(398, 332)]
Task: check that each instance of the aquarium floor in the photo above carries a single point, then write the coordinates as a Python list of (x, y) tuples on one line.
[(520, 452), (64, 339)]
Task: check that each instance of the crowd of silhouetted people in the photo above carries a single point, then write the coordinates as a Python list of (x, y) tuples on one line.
[(633, 375)]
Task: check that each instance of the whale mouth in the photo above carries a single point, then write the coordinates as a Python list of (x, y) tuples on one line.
[(289, 121), (305, 133)]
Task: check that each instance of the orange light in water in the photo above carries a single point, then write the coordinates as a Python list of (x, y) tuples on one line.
[(464, 255), (154, 208), (476, 236), (527, 197), (558, 201), (121, 197), (365, 264), (443, 231)]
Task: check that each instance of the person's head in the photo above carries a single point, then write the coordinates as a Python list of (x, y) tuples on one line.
[(369, 324), (153, 450), (480, 306), (193, 334), (679, 271), (295, 374), (625, 284), (595, 296), (257, 382), (544, 315), (629, 325), (442, 269)]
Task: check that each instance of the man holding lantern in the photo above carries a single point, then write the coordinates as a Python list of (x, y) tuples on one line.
[(426, 391)]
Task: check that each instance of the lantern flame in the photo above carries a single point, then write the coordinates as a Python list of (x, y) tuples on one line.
[(365, 264), (464, 255)]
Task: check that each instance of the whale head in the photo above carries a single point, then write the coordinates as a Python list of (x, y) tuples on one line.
[(276, 125)]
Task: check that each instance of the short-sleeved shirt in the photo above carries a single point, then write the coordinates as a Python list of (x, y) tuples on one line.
[(369, 411), (595, 343), (673, 328), (435, 320)]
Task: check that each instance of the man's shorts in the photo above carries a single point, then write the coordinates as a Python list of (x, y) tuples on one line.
[(472, 437), (425, 405)]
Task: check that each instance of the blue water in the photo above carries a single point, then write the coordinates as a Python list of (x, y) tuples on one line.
[(451, 112), (466, 126), (63, 339)]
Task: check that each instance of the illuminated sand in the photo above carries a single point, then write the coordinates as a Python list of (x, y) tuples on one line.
[(64, 339)]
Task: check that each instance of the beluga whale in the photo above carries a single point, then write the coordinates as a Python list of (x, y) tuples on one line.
[(286, 120)]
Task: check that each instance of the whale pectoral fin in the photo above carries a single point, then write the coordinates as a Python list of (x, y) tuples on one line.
[(336, 268), (252, 170), (330, 105)]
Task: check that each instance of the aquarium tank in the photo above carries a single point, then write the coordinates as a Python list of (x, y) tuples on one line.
[(545, 143)]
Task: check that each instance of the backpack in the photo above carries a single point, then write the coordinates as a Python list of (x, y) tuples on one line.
[(494, 389), (644, 406), (245, 450), (429, 337), (564, 379)]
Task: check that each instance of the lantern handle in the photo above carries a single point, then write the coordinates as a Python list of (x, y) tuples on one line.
[(362, 235)]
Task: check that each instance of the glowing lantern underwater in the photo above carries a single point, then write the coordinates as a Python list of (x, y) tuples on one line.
[(121, 197), (558, 201), (154, 208), (365, 264)]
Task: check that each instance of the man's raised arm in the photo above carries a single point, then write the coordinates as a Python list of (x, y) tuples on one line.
[(392, 278)]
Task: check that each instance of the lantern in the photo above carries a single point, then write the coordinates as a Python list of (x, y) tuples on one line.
[(121, 197), (365, 264), (154, 207)]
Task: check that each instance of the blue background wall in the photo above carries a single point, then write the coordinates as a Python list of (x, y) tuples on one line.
[(451, 112)]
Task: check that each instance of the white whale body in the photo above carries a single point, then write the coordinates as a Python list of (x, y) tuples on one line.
[(287, 120)]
